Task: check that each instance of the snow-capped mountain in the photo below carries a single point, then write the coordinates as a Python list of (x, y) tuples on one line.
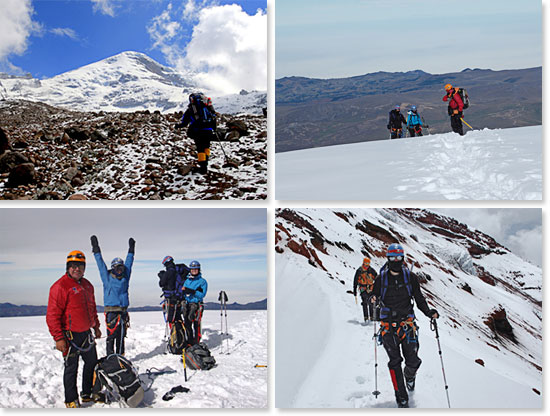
[(129, 81), (501, 164), (489, 300)]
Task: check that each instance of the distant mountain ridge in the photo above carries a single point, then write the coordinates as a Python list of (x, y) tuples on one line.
[(11, 310), (323, 112), (129, 81)]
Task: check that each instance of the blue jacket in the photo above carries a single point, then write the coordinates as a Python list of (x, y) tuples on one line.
[(195, 282), (115, 291), (413, 119)]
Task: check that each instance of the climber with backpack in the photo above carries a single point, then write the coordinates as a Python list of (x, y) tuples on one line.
[(201, 118), (364, 279), (458, 102), (414, 122), (395, 123), (171, 283), (395, 290), (116, 282)]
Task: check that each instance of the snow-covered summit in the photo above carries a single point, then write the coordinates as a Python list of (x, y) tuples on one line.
[(489, 300), (129, 81)]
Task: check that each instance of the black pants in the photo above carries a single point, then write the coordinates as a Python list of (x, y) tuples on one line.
[(396, 133), (409, 348), (173, 310), (415, 131), (456, 124), (89, 355), (368, 307), (192, 317), (202, 142), (116, 331)]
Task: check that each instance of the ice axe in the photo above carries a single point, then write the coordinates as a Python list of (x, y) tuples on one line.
[(471, 128)]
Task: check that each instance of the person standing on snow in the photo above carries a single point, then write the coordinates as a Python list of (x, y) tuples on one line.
[(194, 290), (70, 316), (364, 278), (201, 118), (395, 290), (171, 282), (395, 123), (116, 282), (455, 108), (414, 122)]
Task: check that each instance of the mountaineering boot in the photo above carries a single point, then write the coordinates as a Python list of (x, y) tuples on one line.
[(73, 404), (402, 403), (86, 397), (410, 377), (95, 397)]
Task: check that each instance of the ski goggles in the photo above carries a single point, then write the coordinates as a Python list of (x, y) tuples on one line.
[(395, 258)]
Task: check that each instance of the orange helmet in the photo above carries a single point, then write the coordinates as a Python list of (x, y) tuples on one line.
[(76, 255), (366, 263), (448, 87)]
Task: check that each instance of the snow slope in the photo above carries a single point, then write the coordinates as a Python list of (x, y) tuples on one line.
[(330, 361), (31, 372), (482, 165), (129, 81)]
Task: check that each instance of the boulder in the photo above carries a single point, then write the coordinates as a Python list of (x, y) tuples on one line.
[(10, 160), (22, 174), (238, 125), (4, 143), (76, 134)]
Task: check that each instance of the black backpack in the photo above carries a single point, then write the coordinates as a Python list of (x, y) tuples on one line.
[(117, 374), (198, 357), (202, 115), (464, 96), (178, 338)]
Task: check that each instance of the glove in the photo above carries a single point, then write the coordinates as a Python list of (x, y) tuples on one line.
[(355, 293), (95, 244), (388, 126), (433, 312), (97, 332), (131, 245), (199, 290), (188, 291), (179, 126), (61, 345)]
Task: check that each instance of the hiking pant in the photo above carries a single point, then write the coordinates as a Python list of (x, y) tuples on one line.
[(394, 346), (456, 124), (192, 317), (368, 307), (89, 355), (117, 324), (202, 142), (173, 310), (396, 133), (415, 131)]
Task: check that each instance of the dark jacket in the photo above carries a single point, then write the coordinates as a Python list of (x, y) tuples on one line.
[(197, 127), (362, 275), (396, 120), (397, 297)]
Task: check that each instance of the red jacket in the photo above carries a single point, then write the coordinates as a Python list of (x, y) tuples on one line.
[(456, 102), (71, 307)]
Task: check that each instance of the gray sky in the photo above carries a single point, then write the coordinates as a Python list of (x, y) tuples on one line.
[(518, 229), (334, 39), (230, 244)]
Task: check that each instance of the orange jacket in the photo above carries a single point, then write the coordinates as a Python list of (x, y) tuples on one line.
[(71, 307)]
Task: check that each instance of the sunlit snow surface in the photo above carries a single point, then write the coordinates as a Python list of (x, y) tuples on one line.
[(31, 371), (482, 165)]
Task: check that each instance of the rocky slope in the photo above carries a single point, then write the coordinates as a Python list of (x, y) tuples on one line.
[(324, 112), (52, 153)]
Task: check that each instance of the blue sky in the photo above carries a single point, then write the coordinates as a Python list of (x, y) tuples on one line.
[(326, 39), (49, 37), (230, 244)]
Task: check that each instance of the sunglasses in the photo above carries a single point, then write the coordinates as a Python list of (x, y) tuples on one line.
[(395, 258), (75, 265)]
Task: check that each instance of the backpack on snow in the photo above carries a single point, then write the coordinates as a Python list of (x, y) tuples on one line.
[(117, 374), (178, 338), (198, 357), (464, 96), (202, 115)]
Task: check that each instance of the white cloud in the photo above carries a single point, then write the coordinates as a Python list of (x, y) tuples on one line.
[(527, 244), (65, 31), (104, 6), (16, 25), (227, 50)]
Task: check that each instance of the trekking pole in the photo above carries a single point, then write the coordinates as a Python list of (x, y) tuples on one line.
[(471, 128), (433, 327), (226, 327), (375, 392), (220, 142), (221, 320)]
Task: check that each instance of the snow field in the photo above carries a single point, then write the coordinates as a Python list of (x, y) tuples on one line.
[(481, 165), (31, 370)]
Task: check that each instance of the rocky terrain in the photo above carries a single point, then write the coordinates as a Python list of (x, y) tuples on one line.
[(323, 112), (52, 153)]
